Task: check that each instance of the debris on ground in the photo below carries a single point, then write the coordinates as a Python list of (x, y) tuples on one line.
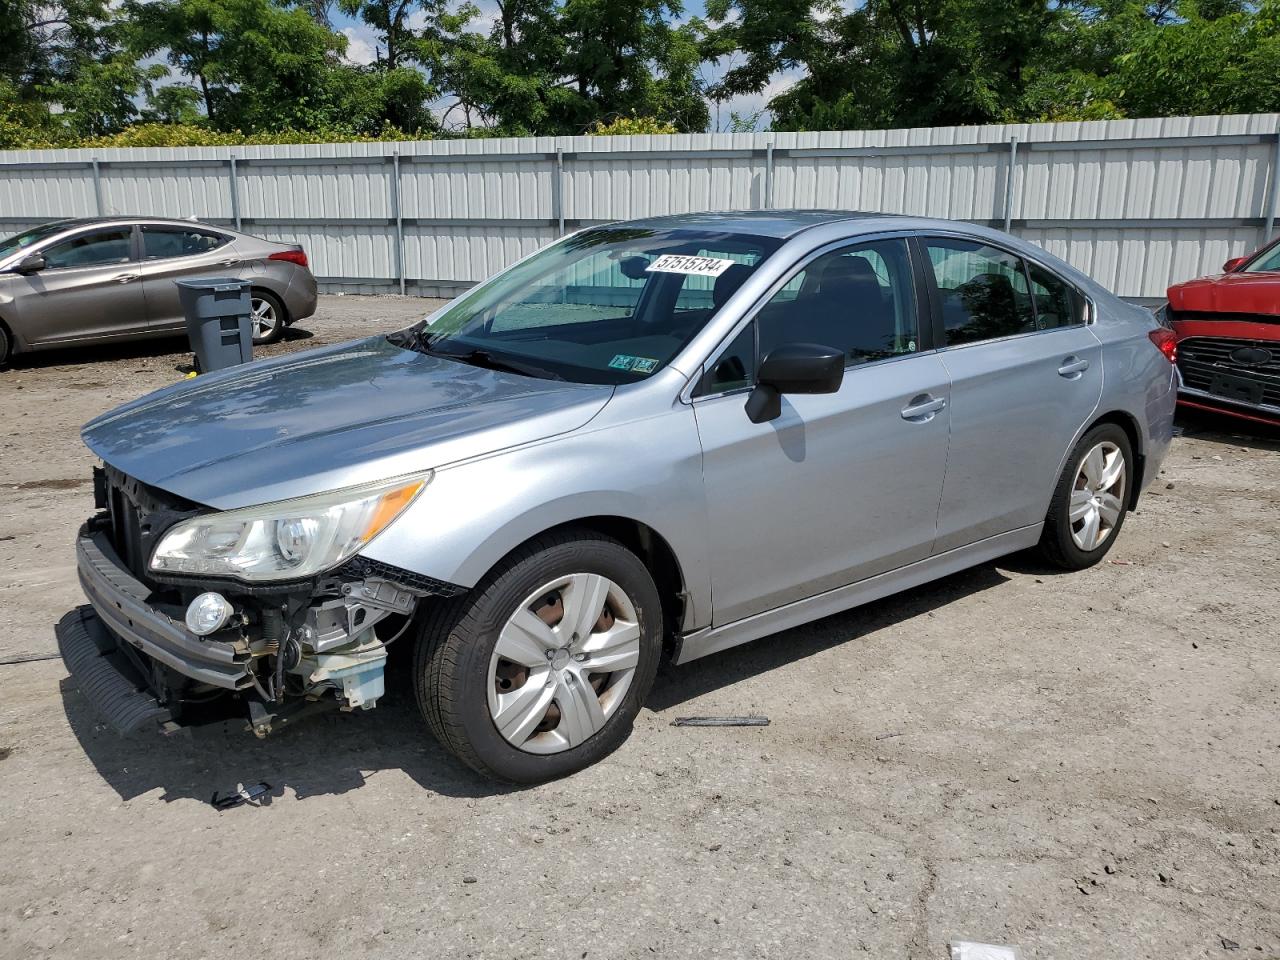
[(241, 795), (720, 722), (966, 950)]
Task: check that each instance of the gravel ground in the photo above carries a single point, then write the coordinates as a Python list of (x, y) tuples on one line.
[(1083, 765)]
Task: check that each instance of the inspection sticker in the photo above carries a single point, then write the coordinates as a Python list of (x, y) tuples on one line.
[(623, 361), (694, 266)]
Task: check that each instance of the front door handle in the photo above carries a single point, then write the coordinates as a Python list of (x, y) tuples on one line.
[(125, 278), (1072, 367), (922, 408)]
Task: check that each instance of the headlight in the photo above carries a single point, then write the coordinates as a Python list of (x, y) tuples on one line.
[(289, 540)]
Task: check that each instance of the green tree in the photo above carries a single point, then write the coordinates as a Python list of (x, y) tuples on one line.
[(68, 56), (563, 68)]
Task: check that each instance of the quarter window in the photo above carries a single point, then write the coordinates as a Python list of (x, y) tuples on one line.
[(983, 291), (162, 243), (733, 369), (91, 249), (1057, 302), (858, 299)]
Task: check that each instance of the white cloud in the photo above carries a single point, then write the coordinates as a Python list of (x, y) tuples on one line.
[(362, 44)]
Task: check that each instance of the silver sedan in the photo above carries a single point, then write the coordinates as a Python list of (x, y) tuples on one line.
[(75, 282), (664, 437)]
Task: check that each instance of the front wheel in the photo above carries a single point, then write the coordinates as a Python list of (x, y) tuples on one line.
[(6, 346), (1091, 500), (541, 670)]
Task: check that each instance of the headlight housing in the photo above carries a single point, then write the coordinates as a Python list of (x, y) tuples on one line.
[(289, 540)]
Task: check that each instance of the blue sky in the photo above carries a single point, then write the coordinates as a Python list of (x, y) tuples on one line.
[(362, 40)]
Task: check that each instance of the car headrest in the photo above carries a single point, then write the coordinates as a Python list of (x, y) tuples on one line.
[(844, 274), (727, 283)]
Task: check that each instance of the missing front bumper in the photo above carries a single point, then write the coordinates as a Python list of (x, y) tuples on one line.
[(313, 646)]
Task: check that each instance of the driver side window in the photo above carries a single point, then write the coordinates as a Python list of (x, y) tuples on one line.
[(91, 249), (858, 299)]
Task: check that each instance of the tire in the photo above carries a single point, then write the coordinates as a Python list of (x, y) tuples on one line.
[(460, 672), (268, 317), (1065, 542), (6, 347)]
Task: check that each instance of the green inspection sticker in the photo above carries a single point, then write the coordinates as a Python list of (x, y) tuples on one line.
[(623, 361)]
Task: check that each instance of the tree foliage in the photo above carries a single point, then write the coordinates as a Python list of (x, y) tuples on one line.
[(93, 70)]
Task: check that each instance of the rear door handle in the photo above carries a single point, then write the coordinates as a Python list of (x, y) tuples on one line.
[(922, 408), (1072, 367), (228, 263), (125, 278)]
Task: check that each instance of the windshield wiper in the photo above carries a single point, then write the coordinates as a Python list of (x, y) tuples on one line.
[(483, 358)]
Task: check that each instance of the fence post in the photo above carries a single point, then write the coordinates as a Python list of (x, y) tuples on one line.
[(1008, 184), (97, 186), (235, 193), (1274, 199), (395, 212), (557, 192), (768, 175)]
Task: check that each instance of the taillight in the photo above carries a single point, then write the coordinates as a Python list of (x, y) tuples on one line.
[(292, 256), (1166, 342)]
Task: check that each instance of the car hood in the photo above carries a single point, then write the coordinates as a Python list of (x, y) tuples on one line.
[(329, 418), (1257, 293)]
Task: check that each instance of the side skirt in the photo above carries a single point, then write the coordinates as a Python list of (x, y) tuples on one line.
[(714, 639)]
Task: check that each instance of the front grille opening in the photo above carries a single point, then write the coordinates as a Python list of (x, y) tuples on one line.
[(1203, 361)]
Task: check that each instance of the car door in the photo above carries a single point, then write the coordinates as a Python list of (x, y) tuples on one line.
[(841, 486), (1026, 375), (171, 252), (88, 288)]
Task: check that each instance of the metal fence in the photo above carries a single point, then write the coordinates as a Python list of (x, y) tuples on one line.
[(1137, 204)]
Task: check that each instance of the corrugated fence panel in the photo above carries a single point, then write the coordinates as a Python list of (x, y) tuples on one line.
[(1137, 204), (46, 194), (317, 191), (518, 189), (467, 254), (170, 191)]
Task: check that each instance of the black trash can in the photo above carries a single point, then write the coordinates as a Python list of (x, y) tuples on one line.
[(217, 312)]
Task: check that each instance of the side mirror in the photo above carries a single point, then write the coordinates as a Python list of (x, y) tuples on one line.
[(31, 264), (793, 368), (1231, 264)]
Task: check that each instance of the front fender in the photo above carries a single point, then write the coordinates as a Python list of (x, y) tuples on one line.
[(474, 513)]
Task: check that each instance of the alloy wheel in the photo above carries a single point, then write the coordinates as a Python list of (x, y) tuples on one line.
[(563, 663), (1097, 496), (262, 317)]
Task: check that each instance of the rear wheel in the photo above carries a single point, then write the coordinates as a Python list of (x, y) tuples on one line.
[(1091, 500), (541, 670), (6, 347), (267, 317)]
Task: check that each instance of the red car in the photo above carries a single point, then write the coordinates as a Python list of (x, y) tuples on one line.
[(1228, 337)]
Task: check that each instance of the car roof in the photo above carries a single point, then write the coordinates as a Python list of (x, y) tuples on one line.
[(768, 223), (75, 223)]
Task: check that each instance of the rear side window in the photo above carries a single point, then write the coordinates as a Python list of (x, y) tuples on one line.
[(983, 291), (160, 243), (1057, 302), (91, 249)]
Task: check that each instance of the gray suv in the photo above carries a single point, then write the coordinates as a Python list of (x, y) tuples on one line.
[(664, 437), (76, 282)]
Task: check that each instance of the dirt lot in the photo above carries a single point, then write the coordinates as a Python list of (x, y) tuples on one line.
[(1087, 765)]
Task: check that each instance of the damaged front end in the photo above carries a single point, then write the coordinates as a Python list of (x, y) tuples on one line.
[(182, 649)]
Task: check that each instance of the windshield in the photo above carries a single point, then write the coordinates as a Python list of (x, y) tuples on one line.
[(11, 245), (1269, 262), (611, 305)]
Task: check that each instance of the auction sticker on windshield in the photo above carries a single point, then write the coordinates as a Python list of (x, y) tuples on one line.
[(694, 266)]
